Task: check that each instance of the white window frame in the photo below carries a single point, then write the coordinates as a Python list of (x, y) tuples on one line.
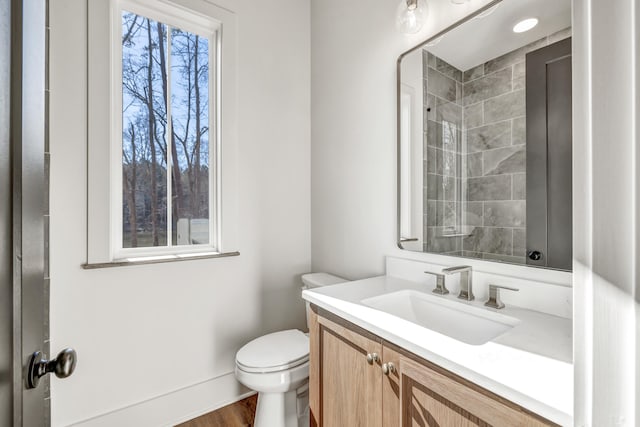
[(104, 195), (208, 29)]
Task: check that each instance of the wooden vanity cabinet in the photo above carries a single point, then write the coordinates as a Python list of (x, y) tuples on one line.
[(344, 388), (396, 389)]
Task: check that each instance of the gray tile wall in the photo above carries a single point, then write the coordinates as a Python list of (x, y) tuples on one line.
[(494, 126), (475, 156)]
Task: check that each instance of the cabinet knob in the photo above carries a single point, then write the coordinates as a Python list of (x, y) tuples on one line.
[(372, 357), (388, 368)]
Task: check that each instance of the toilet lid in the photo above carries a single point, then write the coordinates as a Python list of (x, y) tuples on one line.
[(274, 352)]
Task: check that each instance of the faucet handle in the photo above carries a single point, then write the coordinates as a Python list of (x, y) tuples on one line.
[(440, 288), (494, 296), (457, 269)]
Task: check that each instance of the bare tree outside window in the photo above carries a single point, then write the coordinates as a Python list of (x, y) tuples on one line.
[(165, 138)]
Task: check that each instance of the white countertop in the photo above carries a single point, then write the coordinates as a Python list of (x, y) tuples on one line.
[(531, 364)]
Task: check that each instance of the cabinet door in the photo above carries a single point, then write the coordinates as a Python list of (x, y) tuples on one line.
[(345, 389), (421, 394)]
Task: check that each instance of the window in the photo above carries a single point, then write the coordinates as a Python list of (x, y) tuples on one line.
[(156, 113), (168, 192)]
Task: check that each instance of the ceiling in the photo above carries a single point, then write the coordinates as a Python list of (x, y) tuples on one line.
[(490, 35)]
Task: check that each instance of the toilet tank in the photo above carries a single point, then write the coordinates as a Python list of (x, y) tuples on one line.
[(316, 280)]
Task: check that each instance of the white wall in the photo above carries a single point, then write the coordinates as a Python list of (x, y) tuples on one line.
[(144, 331), (606, 177)]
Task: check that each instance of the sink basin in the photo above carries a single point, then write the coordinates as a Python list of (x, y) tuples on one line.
[(471, 325)]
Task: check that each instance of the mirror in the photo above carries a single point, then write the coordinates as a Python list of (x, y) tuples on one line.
[(484, 137)]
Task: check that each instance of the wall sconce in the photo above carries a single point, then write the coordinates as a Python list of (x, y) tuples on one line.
[(411, 16)]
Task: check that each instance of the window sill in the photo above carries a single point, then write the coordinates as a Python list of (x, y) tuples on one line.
[(158, 259)]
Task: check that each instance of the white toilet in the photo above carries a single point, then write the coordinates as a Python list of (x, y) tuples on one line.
[(277, 367)]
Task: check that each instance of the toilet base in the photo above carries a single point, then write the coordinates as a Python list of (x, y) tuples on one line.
[(277, 410)]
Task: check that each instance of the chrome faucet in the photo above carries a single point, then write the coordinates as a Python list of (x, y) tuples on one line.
[(466, 289), (440, 288)]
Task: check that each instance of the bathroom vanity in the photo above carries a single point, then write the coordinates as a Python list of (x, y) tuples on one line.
[(371, 381), (386, 351)]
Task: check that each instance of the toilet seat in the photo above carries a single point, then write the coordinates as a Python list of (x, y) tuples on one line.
[(270, 369), (278, 351)]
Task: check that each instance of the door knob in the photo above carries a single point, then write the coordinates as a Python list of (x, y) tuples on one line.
[(372, 357), (63, 366), (534, 255)]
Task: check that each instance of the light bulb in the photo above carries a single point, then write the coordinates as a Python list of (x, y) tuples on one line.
[(411, 16)]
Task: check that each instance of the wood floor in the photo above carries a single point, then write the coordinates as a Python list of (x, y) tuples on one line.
[(239, 414)]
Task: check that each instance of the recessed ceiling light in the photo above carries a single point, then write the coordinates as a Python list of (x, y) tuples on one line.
[(525, 25)]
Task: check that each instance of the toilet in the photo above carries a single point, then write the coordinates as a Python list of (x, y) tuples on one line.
[(276, 365)]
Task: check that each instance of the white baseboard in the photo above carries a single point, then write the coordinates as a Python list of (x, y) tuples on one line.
[(175, 407)]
